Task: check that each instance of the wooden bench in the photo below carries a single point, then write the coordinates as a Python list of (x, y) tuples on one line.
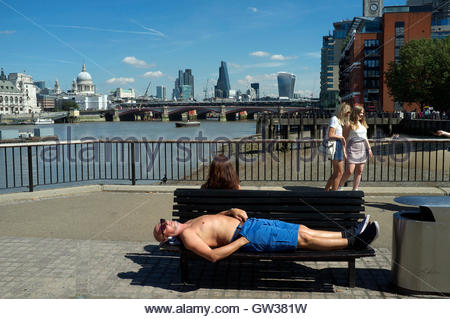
[(315, 209)]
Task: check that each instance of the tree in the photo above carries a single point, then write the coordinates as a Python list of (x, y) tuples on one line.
[(69, 105), (422, 75)]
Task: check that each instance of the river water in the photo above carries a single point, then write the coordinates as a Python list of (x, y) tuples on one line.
[(148, 130), (154, 161)]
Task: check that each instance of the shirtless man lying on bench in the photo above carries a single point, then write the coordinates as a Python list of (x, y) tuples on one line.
[(215, 237)]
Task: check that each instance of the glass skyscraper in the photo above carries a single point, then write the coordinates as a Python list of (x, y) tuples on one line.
[(184, 78), (161, 92), (222, 89), (286, 84), (255, 86)]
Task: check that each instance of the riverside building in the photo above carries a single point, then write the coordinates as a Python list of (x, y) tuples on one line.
[(440, 17), (372, 43), (330, 56), (17, 94)]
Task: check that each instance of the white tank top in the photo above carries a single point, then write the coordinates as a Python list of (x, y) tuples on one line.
[(359, 133)]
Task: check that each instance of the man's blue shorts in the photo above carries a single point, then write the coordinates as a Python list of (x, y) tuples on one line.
[(267, 235)]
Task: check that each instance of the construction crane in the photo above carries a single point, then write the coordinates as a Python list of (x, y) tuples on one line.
[(145, 94)]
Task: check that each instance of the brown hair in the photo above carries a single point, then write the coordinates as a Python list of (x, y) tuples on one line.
[(354, 117), (221, 174)]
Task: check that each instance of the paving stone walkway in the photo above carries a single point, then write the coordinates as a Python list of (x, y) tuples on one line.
[(67, 268)]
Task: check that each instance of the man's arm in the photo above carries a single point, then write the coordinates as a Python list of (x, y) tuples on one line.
[(237, 213), (195, 244)]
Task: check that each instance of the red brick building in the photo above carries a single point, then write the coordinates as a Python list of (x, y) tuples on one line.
[(401, 25), (373, 43)]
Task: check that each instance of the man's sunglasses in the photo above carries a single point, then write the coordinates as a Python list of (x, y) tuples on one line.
[(163, 226)]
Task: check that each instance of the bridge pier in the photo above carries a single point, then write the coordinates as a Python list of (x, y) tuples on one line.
[(165, 114), (74, 116), (223, 114)]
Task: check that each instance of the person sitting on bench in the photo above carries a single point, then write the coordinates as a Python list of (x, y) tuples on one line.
[(215, 237), (222, 174)]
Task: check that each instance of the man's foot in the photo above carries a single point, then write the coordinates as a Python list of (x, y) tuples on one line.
[(339, 188), (361, 226), (364, 239)]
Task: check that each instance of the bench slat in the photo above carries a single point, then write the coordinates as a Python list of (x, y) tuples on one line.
[(269, 200), (300, 255), (270, 208), (186, 192), (290, 216)]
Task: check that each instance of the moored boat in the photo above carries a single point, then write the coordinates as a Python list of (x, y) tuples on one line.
[(187, 124), (40, 121)]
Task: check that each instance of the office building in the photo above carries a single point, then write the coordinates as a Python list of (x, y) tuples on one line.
[(440, 18), (17, 94), (40, 85), (184, 78), (222, 89), (46, 103), (255, 86), (403, 24), (286, 84), (161, 92), (330, 56), (373, 43), (186, 92), (189, 80)]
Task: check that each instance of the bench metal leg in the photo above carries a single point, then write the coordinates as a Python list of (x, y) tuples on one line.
[(351, 273), (184, 268)]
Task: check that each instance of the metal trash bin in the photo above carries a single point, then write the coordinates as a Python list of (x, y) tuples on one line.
[(421, 249)]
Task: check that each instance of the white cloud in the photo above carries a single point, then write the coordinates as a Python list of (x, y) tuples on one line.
[(153, 74), (315, 55), (260, 53), (131, 60), (253, 9), (7, 31), (120, 80), (280, 57)]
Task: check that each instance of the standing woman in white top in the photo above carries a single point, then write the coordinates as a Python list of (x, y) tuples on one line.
[(335, 127), (357, 146)]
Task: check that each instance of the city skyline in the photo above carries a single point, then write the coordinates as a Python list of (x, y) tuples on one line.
[(128, 44)]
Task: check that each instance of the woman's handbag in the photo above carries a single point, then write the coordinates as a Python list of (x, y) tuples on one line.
[(328, 148)]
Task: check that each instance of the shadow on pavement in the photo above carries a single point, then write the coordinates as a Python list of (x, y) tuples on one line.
[(387, 206), (161, 270)]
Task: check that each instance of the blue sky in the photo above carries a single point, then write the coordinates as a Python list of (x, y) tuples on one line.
[(127, 43)]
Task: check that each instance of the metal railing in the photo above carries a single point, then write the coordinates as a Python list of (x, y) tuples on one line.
[(29, 165)]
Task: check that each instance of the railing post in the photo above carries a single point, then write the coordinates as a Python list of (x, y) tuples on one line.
[(30, 169), (237, 159), (133, 165)]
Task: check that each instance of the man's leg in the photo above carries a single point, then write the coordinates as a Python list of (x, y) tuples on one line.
[(320, 240)]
